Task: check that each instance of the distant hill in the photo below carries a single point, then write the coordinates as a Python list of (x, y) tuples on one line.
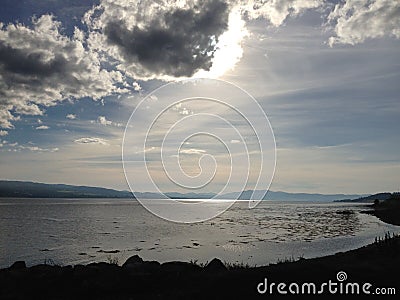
[(369, 199), (284, 196), (23, 189), (190, 195)]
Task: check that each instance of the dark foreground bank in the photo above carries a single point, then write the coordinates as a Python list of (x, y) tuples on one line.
[(377, 264)]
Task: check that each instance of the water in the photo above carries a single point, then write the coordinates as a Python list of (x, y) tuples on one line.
[(74, 231)]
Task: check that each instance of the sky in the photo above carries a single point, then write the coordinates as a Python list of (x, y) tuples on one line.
[(325, 73)]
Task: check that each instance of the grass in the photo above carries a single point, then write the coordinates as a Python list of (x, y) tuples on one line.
[(238, 265), (112, 260), (290, 259), (228, 265), (387, 238)]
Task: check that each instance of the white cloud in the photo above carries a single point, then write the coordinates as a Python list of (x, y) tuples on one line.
[(71, 116), (276, 11), (184, 111), (192, 151), (136, 86), (3, 133), (103, 121), (355, 21), (42, 127), (6, 117), (91, 140), (39, 121), (40, 66)]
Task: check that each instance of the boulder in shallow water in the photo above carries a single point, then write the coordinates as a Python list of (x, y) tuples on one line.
[(215, 265), (133, 260), (137, 265), (18, 265)]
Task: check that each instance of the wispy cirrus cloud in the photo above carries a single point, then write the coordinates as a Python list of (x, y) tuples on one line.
[(16, 147)]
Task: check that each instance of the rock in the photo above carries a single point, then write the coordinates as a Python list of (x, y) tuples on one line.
[(133, 260), (215, 266), (136, 264), (18, 265)]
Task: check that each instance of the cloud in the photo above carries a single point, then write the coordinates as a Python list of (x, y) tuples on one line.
[(3, 133), (276, 11), (129, 40), (38, 149), (136, 86), (103, 121), (42, 127), (71, 116), (40, 66), (15, 147), (192, 151), (356, 21), (6, 117), (171, 39), (152, 39), (229, 48), (91, 140)]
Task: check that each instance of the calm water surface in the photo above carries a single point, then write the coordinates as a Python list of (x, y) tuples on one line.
[(66, 231)]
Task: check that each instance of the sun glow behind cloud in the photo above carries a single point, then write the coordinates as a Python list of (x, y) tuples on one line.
[(229, 49)]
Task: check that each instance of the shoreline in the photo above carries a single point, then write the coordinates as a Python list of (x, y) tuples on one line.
[(374, 264)]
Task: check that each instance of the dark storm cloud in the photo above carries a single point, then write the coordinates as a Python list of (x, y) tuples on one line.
[(22, 62), (177, 43)]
